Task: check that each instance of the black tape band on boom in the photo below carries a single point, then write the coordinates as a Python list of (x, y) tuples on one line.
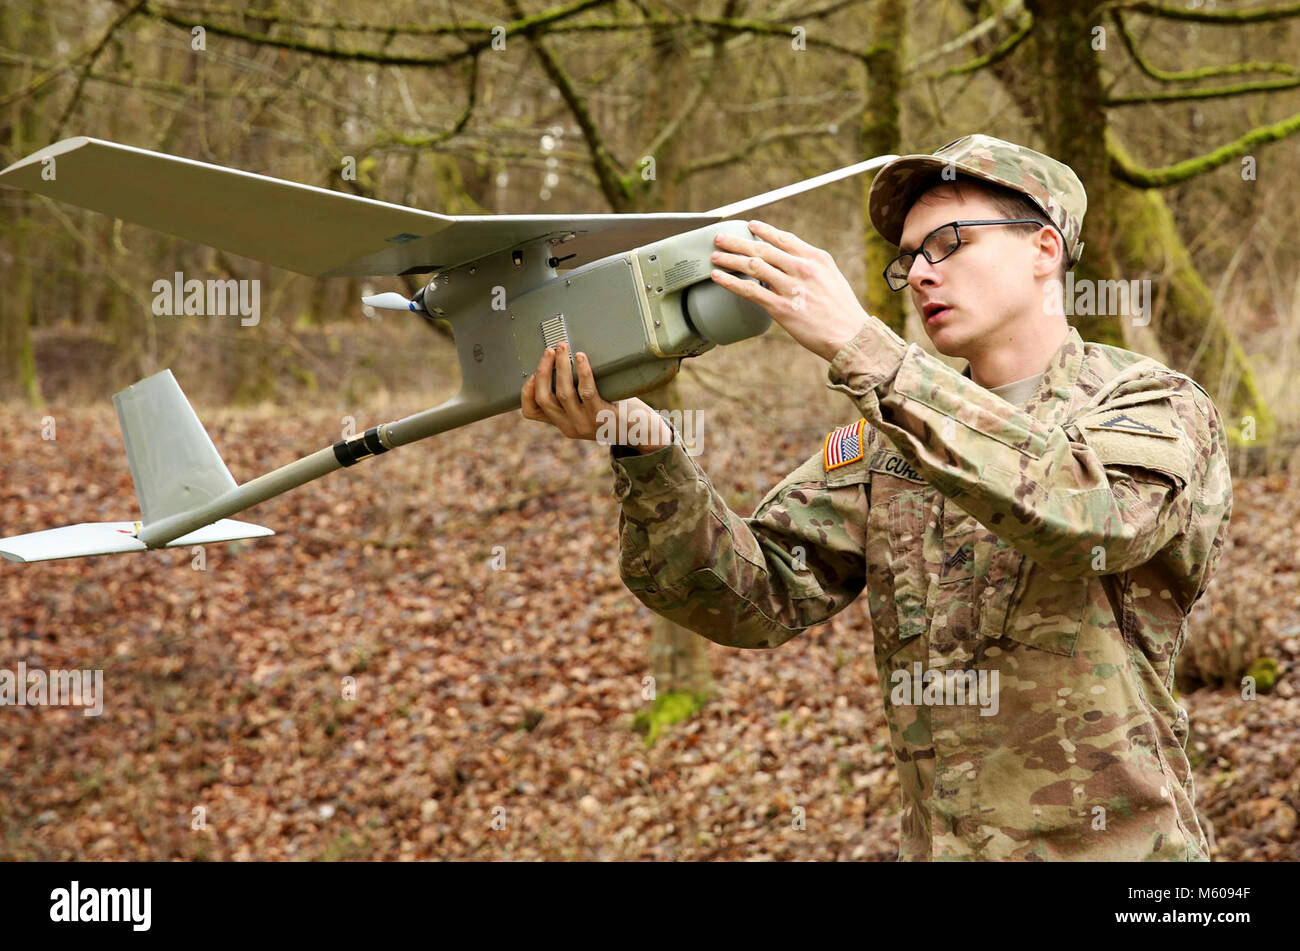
[(351, 451)]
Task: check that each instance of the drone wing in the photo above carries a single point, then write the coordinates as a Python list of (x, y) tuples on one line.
[(297, 227), (325, 233)]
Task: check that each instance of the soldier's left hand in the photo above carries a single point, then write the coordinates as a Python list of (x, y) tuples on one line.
[(806, 293)]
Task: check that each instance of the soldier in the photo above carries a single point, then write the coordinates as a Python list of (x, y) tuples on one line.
[(1031, 532)]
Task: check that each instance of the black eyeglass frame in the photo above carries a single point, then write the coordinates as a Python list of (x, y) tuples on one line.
[(956, 226)]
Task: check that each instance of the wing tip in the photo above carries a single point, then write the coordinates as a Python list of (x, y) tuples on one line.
[(50, 151)]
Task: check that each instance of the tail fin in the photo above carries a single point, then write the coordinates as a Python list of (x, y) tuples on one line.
[(173, 462), (175, 468)]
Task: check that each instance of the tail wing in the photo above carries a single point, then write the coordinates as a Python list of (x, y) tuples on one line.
[(175, 467), (173, 462), (110, 538)]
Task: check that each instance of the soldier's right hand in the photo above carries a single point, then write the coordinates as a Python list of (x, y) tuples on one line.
[(577, 410)]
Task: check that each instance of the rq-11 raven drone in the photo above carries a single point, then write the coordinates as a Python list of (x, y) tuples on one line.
[(636, 314)]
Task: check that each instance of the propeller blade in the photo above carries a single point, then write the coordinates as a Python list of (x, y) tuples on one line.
[(389, 301)]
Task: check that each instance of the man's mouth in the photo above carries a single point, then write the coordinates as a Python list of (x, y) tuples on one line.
[(934, 311)]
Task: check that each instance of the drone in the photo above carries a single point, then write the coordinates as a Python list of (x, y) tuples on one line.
[(635, 313)]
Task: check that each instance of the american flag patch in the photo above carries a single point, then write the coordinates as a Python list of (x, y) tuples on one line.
[(844, 445)]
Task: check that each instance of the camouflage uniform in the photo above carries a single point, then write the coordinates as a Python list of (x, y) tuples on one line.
[(1061, 546)]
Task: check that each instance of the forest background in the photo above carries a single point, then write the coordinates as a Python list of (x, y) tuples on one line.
[(539, 710)]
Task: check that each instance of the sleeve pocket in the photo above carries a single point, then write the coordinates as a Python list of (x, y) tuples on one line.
[(1145, 436)]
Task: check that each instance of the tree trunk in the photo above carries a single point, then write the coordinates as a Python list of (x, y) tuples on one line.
[(1130, 235), (18, 379), (679, 658), (880, 136), (1072, 121), (1192, 332)]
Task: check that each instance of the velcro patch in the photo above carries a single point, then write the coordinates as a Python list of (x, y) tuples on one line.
[(1144, 436), (844, 445), (891, 463)]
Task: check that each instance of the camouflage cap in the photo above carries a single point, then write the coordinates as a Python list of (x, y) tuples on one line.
[(1049, 184)]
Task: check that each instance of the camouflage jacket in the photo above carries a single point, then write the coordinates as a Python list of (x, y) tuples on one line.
[(1055, 551)]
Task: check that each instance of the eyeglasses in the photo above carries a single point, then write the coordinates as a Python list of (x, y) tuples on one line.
[(940, 243)]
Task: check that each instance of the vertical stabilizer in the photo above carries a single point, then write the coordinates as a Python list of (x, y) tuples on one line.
[(173, 461)]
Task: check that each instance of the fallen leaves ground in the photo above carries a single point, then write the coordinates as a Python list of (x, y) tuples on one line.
[(493, 708)]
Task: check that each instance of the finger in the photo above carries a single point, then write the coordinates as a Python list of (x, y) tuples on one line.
[(587, 383), (566, 391), (528, 401), (544, 362), (784, 240), (760, 249), (750, 290), (530, 408), (556, 414), (542, 382), (755, 267), (563, 374)]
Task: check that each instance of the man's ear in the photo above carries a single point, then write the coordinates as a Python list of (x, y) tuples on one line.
[(1049, 251)]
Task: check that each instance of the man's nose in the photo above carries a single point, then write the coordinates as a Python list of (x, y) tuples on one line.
[(922, 273)]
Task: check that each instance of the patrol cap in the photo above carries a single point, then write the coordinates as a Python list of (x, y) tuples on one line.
[(1049, 184)]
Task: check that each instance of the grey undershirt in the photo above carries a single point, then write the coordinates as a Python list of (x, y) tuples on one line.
[(1018, 392)]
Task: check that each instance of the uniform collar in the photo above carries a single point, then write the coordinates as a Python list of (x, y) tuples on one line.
[(1052, 399)]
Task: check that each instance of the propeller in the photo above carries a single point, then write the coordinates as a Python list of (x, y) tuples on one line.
[(390, 301)]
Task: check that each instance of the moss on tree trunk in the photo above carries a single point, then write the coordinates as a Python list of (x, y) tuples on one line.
[(1191, 330)]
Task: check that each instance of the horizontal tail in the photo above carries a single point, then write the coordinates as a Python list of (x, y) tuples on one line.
[(175, 467), (110, 538)]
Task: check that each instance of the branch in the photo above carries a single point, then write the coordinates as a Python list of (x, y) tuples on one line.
[(132, 82), (1204, 72), (1216, 92), (1224, 17), (1123, 168), (458, 29), (766, 137), (738, 25), (1012, 9), (425, 141), (606, 166), (995, 55), (524, 25), (110, 269), (696, 94), (91, 51), (91, 58)]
